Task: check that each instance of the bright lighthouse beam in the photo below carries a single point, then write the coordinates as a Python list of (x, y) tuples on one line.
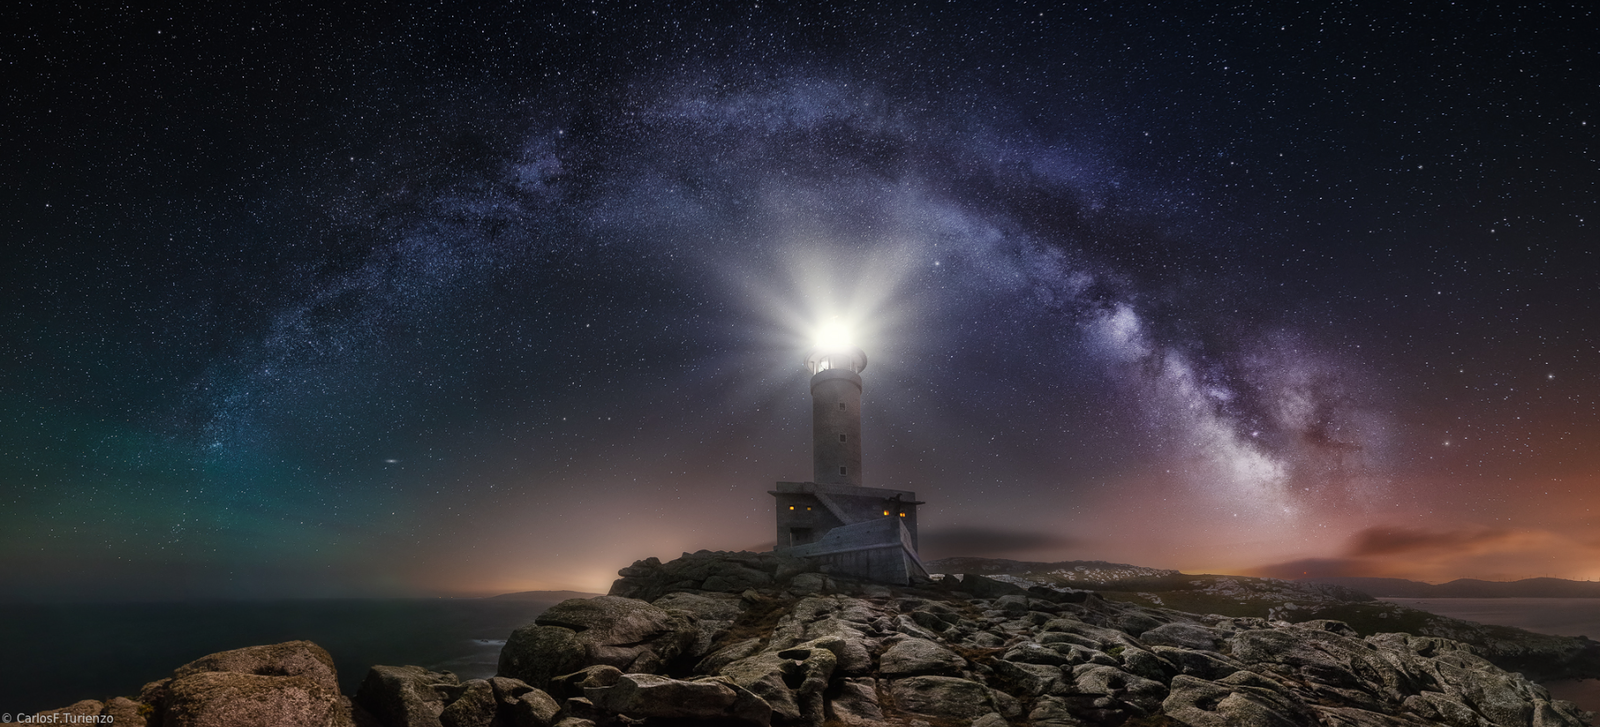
[(834, 336)]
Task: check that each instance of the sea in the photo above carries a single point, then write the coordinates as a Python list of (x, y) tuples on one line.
[(52, 655), (1558, 616)]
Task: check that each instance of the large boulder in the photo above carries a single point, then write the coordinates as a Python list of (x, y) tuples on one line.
[(573, 685), (711, 613), (126, 712), (536, 654), (855, 703), (407, 696), (521, 705), (1201, 664), (913, 657), (1056, 711), (650, 579), (411, 696), (291, 658), (629, 634), (791, 680), (1182, 635), (1242, 698), (1032, 652), (707, 699), (838, 622), (1144, 695), (231, 699), (78, 712), (292, 683), (1334, 668), (475, 707), (1032, 680), (942, 697), (713, 663)]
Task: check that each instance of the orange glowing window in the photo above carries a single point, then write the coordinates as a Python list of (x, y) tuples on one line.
[(791, 507), (902, 514), (886, 512)]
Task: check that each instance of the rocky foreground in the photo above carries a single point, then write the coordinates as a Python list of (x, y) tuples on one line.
[(748, 639)]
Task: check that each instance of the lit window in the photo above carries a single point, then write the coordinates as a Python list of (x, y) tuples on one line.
[(886, 512), (902, 514), (791, 507), (808, 508)]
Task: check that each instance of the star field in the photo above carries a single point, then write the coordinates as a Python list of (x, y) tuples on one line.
[(467, 300)]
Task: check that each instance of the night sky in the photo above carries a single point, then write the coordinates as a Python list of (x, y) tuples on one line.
[(364, 301)]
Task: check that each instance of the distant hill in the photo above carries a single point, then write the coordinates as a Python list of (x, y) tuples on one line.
[(547, 596), (1466, 588)]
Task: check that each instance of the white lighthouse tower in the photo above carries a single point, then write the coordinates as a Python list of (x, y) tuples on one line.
[(836, 415), (866, 532)]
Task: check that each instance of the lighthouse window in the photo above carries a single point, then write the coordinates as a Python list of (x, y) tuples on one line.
[(841, 437), (841, 406), (841, 470)]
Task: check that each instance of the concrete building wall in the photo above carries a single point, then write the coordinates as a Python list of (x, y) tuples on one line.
[(888, 564), (802, 518), (878, 550), (831, 506), (836, 427)]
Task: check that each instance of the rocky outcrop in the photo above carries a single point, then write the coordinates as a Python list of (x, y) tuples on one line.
[(631, 635), (406, 696), (292, 683), (410, 696), (293, 658), (981, 651), (706, 699), (805, 648), (220, 699), (719, 572), (1538, 656)]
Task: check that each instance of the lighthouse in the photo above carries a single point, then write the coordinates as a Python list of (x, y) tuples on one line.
[(836, 415), (834, 519)]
